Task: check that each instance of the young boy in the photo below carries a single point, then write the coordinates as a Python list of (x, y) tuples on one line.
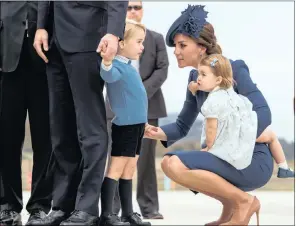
[(128, 101)]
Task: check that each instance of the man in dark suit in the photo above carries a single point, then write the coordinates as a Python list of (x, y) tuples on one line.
[(23, 90), (153, 68), (77, 110)]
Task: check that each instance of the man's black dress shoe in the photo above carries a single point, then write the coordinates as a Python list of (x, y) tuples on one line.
[(79, 217), (36, 217), (10, 217), (135, 219), (111, 220), (54, 218)]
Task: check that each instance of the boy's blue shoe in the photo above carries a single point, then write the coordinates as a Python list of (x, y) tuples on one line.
[(285, 173)]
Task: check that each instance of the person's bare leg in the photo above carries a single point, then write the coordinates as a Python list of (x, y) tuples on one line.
[(227, 210), (205, 181), (227, 206), (117, 167), (165, 167), (130, 168), (268, 136)]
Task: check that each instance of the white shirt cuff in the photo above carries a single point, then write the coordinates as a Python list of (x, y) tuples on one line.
[(106, 68)]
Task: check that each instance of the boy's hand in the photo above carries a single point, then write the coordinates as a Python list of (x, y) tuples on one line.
[(192, 86), (106, 63), (149, 127)]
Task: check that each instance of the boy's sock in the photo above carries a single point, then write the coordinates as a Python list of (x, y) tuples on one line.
[(107, 195), (125, 194), (283, 165)]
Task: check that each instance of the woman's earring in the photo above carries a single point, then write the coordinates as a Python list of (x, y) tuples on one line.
[(121, 45)]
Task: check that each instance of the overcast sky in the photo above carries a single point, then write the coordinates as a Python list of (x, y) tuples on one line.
[(260, 33)]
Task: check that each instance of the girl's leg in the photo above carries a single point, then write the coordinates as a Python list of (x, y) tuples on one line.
[(268, 136), (208, 182)]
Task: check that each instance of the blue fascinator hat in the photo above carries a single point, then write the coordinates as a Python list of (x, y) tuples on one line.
[(190, 23)]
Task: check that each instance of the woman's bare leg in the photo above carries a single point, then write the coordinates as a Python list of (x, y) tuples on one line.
[(227, 206), (205, 181), (227, 210)]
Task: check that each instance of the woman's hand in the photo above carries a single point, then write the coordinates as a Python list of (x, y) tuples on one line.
[(153, 132)]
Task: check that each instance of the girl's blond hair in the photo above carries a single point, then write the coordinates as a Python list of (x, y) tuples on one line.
[(131, 27), (220, 66)]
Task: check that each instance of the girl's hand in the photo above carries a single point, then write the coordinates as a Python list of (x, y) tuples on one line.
[(193, 87), (205, 149)]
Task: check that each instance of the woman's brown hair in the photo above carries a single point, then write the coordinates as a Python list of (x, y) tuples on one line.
[(207, 38)]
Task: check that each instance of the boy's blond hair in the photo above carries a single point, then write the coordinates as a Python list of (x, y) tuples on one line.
[(220, 66), (131, 27)]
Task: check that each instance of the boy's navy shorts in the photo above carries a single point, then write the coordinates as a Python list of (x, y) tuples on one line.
[(127, 139)]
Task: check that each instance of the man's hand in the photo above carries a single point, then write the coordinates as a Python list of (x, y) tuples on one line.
[(41, 40), (107, 61), (108, 47), (193, 87)]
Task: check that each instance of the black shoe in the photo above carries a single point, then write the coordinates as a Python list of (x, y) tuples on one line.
[(36, 217), (111, 220), (79, 217), (10, 217), (54, 218), (153, 216), (135, 219), (285, 173)]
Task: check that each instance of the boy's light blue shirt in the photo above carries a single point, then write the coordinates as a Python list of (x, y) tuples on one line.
[(126, 92)]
